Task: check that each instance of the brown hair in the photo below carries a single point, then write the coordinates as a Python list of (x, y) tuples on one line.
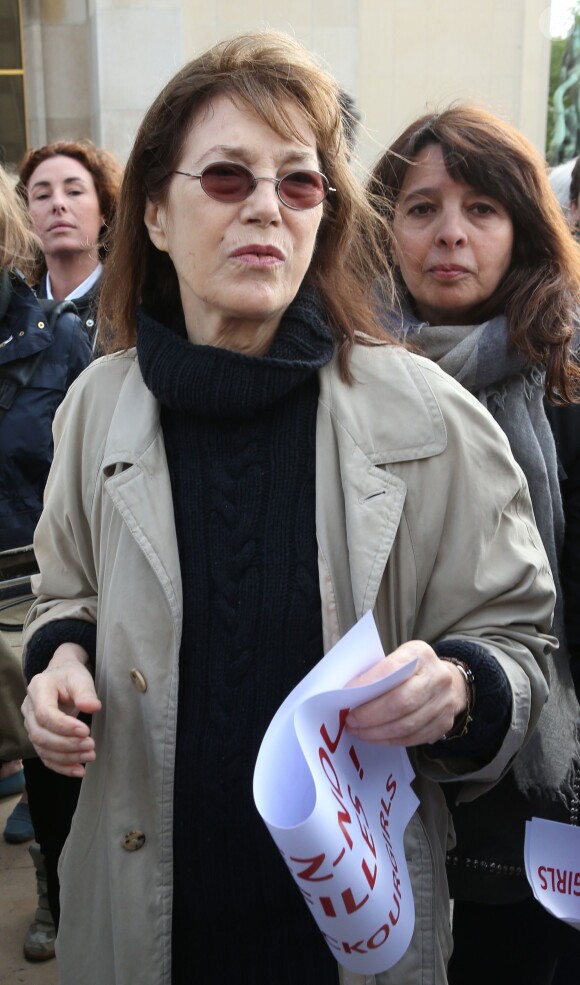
[(19, 247), (541, 291), (266, 71), (104, 167)]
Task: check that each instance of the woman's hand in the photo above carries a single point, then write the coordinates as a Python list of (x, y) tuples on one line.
[(54, 699), (421, 709)]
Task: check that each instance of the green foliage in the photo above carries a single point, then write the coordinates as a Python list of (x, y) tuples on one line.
[(556, 55)]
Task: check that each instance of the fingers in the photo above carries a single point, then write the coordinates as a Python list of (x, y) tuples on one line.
[(409, 730), (69, 667), (54, 699), (420, 710), (68, 765), (404, 654), (62, 743), (64, 689)]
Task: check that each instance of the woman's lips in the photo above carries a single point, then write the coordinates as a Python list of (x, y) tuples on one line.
[(258, 255), (59, 226), (448, 272)]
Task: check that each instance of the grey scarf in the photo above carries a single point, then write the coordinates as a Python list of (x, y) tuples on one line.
[(481, 359)]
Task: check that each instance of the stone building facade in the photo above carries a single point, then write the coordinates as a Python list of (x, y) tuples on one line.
[(90, 68)]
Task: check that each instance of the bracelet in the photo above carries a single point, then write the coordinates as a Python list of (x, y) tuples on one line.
[(461, 725)]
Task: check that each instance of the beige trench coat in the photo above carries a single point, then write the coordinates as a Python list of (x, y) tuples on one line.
[(422, 515)]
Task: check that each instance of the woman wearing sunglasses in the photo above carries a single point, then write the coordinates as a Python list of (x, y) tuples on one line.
[(251, 470)]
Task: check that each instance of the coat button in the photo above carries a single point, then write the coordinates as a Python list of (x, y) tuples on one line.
[(133, 841), (90, 322), (138, 680), (41, 324)]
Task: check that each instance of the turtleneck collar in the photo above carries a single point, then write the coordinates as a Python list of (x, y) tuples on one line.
[(213, 382)]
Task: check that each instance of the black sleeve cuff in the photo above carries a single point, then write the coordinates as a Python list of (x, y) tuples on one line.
[(492, 709), (40, 649)]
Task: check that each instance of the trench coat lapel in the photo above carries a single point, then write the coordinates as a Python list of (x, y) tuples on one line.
[(357, 517), (357, 481), (137, 480)]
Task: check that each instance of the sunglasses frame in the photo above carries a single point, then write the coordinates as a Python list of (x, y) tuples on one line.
[(254, 183)]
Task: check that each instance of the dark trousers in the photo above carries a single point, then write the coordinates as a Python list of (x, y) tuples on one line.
[(53, 800), (512, 944)]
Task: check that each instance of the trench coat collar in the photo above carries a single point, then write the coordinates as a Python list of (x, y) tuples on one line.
[(137, 480), (391, 412), (135, 423)]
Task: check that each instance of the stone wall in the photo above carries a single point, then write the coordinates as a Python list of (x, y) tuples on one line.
[(93, 66)]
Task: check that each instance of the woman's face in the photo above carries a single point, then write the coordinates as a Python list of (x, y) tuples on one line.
[(64, 206), (239, 265), (453, 245)]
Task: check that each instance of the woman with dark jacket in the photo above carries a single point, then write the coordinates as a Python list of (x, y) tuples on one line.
[(41, 353), (39, 358), (71, 188), (57, 354), (488, 283)]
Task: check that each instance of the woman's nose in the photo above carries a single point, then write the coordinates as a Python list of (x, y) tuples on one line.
[(58, 202), (263, 204), (451, 230)]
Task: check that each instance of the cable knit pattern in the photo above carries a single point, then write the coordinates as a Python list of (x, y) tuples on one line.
[(240, 440)]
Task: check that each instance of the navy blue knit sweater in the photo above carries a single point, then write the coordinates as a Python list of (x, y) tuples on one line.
[(239, 434)]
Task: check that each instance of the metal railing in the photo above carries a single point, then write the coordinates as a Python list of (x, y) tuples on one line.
[(16, 568)]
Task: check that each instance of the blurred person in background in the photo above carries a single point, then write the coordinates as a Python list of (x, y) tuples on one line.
[(40, 355), (565, 424), (574, 199), (71, 188), (559, 178)]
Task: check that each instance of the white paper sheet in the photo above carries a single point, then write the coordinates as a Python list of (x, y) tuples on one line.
[(337, 807), (552, 859)]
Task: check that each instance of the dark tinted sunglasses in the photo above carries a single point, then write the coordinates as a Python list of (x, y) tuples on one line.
[(231, 183)]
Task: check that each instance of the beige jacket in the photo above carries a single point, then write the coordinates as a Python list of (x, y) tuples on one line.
[(422, 515)]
